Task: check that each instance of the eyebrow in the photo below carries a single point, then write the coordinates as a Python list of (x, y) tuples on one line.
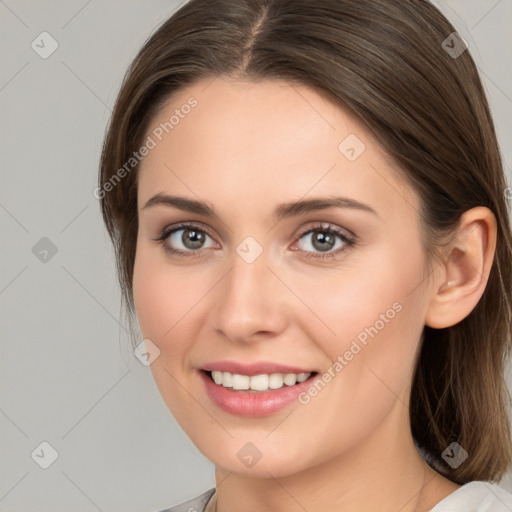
[(283, 211)]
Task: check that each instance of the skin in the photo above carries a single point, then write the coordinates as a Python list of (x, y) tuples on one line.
[(245, 148)]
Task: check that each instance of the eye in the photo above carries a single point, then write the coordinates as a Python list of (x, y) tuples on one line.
[(324, 238), (189, 236), (192, 240)]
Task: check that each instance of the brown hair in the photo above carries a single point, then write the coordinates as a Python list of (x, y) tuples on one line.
[(385, 62)]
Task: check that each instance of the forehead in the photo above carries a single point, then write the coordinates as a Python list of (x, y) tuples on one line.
[(250, 140)]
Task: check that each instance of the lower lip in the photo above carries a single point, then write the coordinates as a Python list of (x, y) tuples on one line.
[(253, 404)]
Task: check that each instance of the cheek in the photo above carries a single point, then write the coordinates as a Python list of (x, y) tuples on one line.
[(159, 305), (167, 303), (161, 295), (346, 304), (369, 319), (150, 299)]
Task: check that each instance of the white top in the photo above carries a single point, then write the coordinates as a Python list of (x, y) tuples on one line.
[(474, 496)]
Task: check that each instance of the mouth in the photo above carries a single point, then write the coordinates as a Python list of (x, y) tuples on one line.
[(255, 395), (257, 383)]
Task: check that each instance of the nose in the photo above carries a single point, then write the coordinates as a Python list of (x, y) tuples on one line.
[(251, 302)]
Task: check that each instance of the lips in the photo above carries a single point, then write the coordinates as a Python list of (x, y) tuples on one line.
[(253, 403)]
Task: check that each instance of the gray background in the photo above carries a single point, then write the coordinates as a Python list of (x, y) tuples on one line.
[(68, 376)]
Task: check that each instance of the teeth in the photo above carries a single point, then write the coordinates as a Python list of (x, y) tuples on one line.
[(290, 379), (240, 381), (227, 379), (275, 381), (261, 382)]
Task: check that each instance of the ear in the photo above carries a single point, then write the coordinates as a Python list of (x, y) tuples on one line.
[(466, 269)]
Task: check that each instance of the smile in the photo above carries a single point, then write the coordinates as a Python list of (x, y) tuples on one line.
[(261, 382), (255, 395)]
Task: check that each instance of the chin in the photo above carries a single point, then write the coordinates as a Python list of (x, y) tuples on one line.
[(258, 459)]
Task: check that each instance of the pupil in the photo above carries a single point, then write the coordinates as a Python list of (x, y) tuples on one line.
[(195, 238), (322, 238)]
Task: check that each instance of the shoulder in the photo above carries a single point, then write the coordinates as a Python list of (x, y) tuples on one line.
[(477, 496), (197, 504)]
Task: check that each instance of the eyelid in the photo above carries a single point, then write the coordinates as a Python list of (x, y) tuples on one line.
[(328, 226), (168, 230)]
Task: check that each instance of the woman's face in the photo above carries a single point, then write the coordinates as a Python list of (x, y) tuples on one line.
[(263, 289)]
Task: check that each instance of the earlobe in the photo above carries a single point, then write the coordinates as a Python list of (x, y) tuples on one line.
[(466, 270)]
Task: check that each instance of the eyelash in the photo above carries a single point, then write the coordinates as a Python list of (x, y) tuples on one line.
[(348, 241)]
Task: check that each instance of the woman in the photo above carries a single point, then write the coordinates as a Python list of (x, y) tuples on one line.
[(307, 204)]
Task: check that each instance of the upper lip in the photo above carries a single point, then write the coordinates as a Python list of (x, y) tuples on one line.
[(257, 368)]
